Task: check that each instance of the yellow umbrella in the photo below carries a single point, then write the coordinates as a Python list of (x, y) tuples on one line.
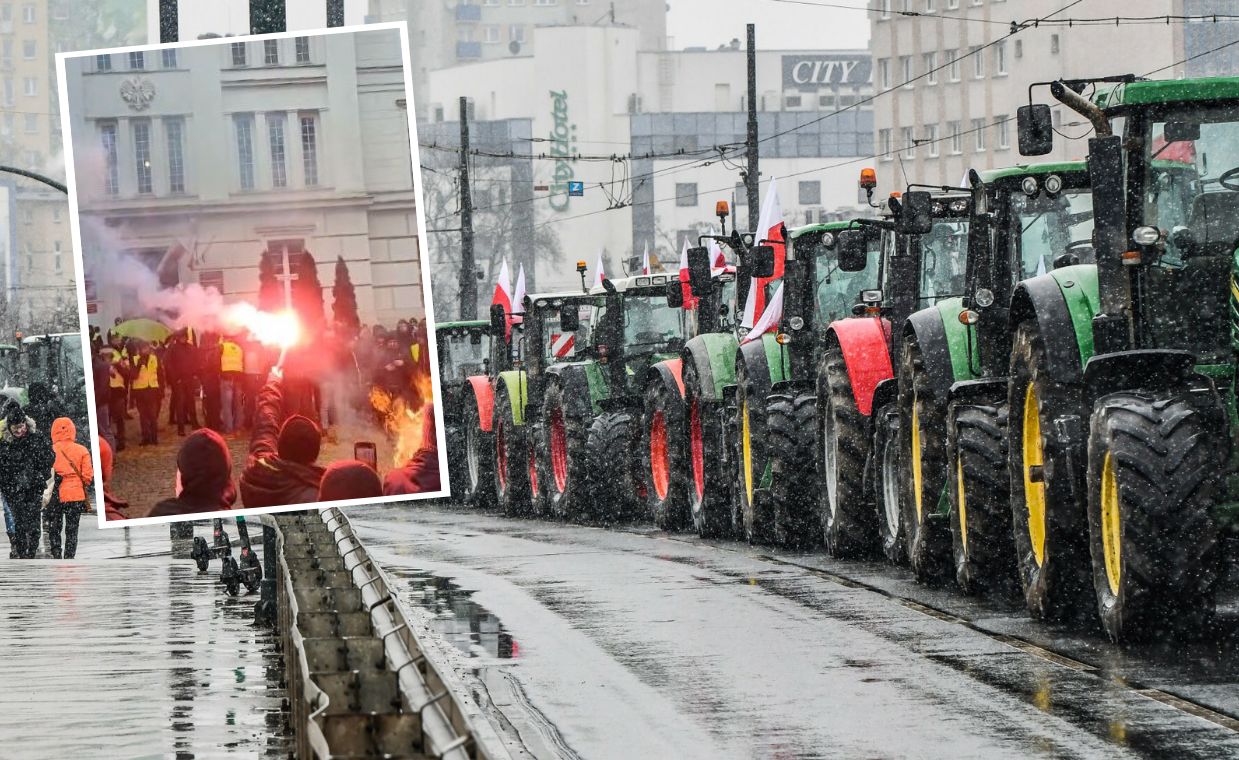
[(142, 329)]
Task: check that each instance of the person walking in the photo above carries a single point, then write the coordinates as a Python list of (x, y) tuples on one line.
[(26, 459), (231, 382), (100, 361), (146, 392), (118, 393), (73, 473), (180, 369)]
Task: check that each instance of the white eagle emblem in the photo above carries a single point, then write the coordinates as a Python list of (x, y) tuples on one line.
[(137, 92)]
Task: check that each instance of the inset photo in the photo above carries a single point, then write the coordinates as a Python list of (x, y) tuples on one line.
[(246, 226)]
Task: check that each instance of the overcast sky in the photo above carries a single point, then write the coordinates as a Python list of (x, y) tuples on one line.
[(780, 26)]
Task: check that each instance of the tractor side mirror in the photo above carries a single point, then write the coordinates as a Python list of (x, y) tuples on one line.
[(675, 295), (569, 318), (699, 271), (763, 261), (498, 320), (853, 251), (1035, 126), (917, 215)]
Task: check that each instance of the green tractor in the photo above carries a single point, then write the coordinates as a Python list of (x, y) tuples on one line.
[(1025, 221), (55, 362), (545, 338), (464, 352), (1122, 392)]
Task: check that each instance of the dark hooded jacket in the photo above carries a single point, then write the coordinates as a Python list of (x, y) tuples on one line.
[(25, 463), (270, 480), (44, 407), (205, 467), (349, 479)]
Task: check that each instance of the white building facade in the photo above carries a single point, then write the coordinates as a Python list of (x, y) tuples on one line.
[(235, 149)]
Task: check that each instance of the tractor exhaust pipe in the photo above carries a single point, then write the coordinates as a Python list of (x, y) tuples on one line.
[(1081, 105)]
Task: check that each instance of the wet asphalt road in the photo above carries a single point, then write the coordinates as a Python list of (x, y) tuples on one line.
[(632, 643)]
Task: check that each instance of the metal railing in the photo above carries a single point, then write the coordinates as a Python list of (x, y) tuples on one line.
[(359, 682)]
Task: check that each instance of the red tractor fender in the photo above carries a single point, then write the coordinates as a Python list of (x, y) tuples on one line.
[(484, 397), (865, 343), (669, 370)]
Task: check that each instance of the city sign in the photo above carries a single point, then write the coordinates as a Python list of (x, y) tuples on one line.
[(810, 71)]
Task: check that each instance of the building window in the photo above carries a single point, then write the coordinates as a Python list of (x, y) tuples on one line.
[(929, 6), (29, 49), (1004, 132), (245, 149), (491, 35), (516, 2), (175, 131), (275, 139), (103, 62), (8, 91), (169, 58), (56, 251), (56, 215), (952, 4), (952, 59), (31, 86), (271, 52), (978, 61), (811, 193), (909, 142), (792, 101), (142, 154), (884, 144), (212, 278), (516, 33), (826, 101), (6, 12), (686, 193), (905, 70), (957, 142), (491, 3), (137, 60), (1053, 44), (1000, 59), (931, 139), (309, 148), (741, 194), (546, 2), (302, 45), (32, 123), (111, 173), (28, 13), (884, 73), (978, 132), (931, 68), (885, 7), (238, 54), (7, 126)]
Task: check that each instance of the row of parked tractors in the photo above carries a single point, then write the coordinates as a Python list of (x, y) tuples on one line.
[(1024, 383)]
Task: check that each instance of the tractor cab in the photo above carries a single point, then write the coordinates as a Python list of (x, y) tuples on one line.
[(464, 349), (55, 360), (633, 327)]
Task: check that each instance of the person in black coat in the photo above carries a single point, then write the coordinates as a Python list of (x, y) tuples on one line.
[(281, 468), (26, 459), (204, 470), (44, 407)]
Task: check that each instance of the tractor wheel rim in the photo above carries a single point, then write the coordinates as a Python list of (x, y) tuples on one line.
[(697, 440), (916, 458), (501, 456), (890, 487), (660, 469), (746, 446), (962, 503), (1111, 525), (830, 459), (533, 472), (1034, 456), (559, 450), (471, 457)]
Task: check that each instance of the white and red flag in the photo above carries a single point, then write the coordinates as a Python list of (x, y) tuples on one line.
[(503, 295), (518, 297), (561, 345), (770, 318), (598, 274), (769, 228), (690, 302), (718, 262), (645, 260)]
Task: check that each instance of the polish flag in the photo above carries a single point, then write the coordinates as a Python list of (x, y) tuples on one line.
[(645, 260), (503, 296), (598, 275), (769, 227), (770, 318), (690, 302), (561, 345), (518, 298), (718, 262)]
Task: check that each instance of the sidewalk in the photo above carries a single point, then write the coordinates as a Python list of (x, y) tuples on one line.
[(126, 652)]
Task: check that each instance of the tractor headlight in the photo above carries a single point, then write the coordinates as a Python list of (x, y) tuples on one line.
[(1146, 235), (541, 303), (984, 297), (1029, 186), (871, 296), (1053, 184), (796, 323)]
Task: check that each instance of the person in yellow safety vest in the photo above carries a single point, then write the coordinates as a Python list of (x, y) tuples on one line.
[(118, 393), (147, 393), (231, 382)]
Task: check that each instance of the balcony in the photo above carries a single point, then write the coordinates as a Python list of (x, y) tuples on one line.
[(469, 13), (466, 50)]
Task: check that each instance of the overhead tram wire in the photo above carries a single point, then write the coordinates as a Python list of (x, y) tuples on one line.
[(893, 12), (1232, 43)]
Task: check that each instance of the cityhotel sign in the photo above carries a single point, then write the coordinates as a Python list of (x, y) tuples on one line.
[(563, 143), (810, 72)]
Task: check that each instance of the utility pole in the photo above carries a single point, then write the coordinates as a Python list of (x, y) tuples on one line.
[(468, 280), (267, 16), (751, 176)]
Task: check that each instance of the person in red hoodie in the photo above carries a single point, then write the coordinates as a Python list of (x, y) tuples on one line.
[(73, 473), (421, 473)]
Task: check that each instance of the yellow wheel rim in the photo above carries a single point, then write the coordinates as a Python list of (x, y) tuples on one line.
[(1034, 456), (963, 503), (1111, 527), (746, 446), (916, 459)]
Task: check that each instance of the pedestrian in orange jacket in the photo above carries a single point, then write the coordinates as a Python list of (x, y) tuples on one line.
[(74, 473)]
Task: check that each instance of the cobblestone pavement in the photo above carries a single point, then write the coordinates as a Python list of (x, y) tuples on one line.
[(145, 475)]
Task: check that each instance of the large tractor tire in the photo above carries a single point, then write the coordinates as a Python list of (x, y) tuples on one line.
[(511, 458), (751, 458), (565, 473), (1048, 521), (884, 473), (709, 487), (536, 456), (478, 485), (922, 470), (612, 467), (1152, 476), (980, 493), (790, 426), (457, 461), (663, 449), (847, 511)]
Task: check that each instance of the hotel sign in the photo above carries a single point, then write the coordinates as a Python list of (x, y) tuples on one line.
[(811, 72)]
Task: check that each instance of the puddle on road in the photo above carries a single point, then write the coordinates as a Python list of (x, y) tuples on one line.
[(467, 625)]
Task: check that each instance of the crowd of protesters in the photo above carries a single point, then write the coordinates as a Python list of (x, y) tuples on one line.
[(211, 386)]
